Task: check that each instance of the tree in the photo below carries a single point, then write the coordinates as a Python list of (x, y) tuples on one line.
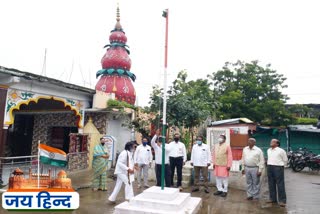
[(189, 102), (142, 122), (300, 110), (250, 90), (156, 105)]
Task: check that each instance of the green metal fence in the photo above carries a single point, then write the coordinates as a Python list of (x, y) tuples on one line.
[(264, 136), (294, 139), (305, 139)]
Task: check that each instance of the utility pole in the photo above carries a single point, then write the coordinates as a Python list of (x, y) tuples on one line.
[(44, 66)]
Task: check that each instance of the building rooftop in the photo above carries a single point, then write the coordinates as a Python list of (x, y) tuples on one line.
[(303, 128), (232, 121), (39, 78)]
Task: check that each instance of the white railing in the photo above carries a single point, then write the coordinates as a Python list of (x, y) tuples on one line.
[(25, 163), (9, 164)]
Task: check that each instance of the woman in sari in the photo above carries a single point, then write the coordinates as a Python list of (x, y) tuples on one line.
[(99, 165)]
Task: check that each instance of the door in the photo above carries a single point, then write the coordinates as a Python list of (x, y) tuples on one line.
[(22, 135)]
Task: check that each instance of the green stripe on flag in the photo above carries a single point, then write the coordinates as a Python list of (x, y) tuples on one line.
[(53, 162)]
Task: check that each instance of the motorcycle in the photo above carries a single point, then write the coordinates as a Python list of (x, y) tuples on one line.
[(295, 156), (311, 161)]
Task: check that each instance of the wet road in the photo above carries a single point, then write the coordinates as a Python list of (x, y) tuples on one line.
[(303, 193)]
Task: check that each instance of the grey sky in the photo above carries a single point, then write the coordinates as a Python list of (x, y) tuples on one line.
[(202, 36)]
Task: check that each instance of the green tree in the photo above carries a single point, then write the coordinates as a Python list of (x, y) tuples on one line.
[(156, 105), (189, 103), (300, 110), (250, 90)]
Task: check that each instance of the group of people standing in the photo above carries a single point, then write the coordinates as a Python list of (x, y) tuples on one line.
[(253, 164), (175, 157)]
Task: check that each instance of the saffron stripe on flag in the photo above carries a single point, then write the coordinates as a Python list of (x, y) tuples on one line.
[(52, 156), (51, 149)]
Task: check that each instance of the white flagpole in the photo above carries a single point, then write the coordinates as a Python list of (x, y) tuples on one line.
[(38, 164), (164, 119)]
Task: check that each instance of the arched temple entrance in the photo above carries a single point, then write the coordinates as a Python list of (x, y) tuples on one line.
[(48, 120)]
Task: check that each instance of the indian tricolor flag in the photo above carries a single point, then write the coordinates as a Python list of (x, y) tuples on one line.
[(52, 156)]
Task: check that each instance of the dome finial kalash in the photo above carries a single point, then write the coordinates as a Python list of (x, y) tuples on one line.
[(118, 25), (116, 63)]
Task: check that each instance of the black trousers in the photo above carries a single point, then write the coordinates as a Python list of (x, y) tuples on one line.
[(276, 182), (167, 175), (176, 163)]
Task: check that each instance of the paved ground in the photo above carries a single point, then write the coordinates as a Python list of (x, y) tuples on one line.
[(303, 192)]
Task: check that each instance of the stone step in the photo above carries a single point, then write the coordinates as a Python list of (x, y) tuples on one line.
[(175, 204), (155, 192), (192, 206)]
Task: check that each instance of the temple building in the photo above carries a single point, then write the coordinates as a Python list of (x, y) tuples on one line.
[(115, 83), (37, 108)]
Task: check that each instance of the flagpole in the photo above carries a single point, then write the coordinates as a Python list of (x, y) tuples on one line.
[(164, 119), (38, 164)]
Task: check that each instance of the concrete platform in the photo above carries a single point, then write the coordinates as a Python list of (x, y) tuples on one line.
[(157, 201)]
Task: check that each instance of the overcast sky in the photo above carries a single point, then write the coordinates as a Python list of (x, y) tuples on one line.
[(202, 36)]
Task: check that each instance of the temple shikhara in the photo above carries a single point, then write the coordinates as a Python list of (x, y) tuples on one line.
[(46, 181), (116, 77), (115, 84)]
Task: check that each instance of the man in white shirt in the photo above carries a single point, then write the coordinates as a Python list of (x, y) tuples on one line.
[(252, 166), (277, 159), (200, 160), (178, 157), (142, 160), (125, 173), (156, 144)]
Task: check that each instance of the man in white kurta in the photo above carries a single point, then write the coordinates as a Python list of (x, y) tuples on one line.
[(142, 160), (125, 173), (222, 162)]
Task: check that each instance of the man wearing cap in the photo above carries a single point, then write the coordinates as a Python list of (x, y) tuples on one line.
[(99, 165)]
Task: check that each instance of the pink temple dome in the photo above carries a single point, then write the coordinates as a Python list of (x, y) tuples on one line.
[(118, 36), (116, 58), (121, 86), (115, 75)]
